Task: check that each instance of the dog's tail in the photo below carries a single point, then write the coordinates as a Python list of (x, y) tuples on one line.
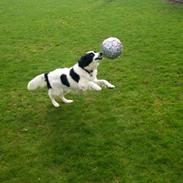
[(39, 81)]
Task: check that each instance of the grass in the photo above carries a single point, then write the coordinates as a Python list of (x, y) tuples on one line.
[(132, 134)]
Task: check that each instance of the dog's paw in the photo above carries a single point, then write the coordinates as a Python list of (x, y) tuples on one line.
[(55, 104), (110, 86), (68, 101), (98, 88)]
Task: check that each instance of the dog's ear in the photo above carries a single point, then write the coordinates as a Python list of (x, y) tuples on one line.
[(86, 60)]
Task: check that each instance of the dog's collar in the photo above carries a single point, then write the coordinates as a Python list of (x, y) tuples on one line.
[(90, 72)]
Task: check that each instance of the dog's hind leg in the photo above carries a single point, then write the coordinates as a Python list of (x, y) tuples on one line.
[(66, 101), (54, 102)]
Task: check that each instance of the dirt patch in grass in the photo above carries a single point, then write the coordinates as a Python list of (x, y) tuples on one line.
[(176, 1)]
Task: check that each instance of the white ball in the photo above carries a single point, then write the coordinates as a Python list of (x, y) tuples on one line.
[(111, 47)]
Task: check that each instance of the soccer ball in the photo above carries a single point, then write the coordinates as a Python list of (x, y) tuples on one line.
[(112, 47)]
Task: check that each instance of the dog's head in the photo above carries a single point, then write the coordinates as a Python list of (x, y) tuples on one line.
[(90, 60)]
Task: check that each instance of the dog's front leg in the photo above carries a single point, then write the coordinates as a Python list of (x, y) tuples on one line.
[(94, 86), (103, 82)]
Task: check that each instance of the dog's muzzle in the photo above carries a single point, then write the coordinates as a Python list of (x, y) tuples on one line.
[(99, 57)]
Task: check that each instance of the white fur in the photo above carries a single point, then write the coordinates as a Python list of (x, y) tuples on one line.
[(86, 82)]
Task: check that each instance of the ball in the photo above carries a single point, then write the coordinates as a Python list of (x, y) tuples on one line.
[(111, 47)]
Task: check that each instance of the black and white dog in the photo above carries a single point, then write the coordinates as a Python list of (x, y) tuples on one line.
[(82, 76)]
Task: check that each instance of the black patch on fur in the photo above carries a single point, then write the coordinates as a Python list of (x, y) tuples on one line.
[(74, 75), (47, 80), (64, 80), (86, 60)]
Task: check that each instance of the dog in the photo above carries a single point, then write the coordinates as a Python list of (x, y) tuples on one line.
[(81, 77)]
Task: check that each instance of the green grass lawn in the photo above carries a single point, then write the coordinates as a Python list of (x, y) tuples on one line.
[(132, 134)]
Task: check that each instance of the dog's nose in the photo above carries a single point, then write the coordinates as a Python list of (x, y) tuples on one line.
[(100, 53)]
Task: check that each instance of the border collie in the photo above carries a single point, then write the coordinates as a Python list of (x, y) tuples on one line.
[(82, 76)]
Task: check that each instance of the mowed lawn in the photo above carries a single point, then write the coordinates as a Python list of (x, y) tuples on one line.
[(132, 134)]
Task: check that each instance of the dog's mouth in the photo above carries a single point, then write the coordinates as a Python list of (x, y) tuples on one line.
[(99, 56)]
